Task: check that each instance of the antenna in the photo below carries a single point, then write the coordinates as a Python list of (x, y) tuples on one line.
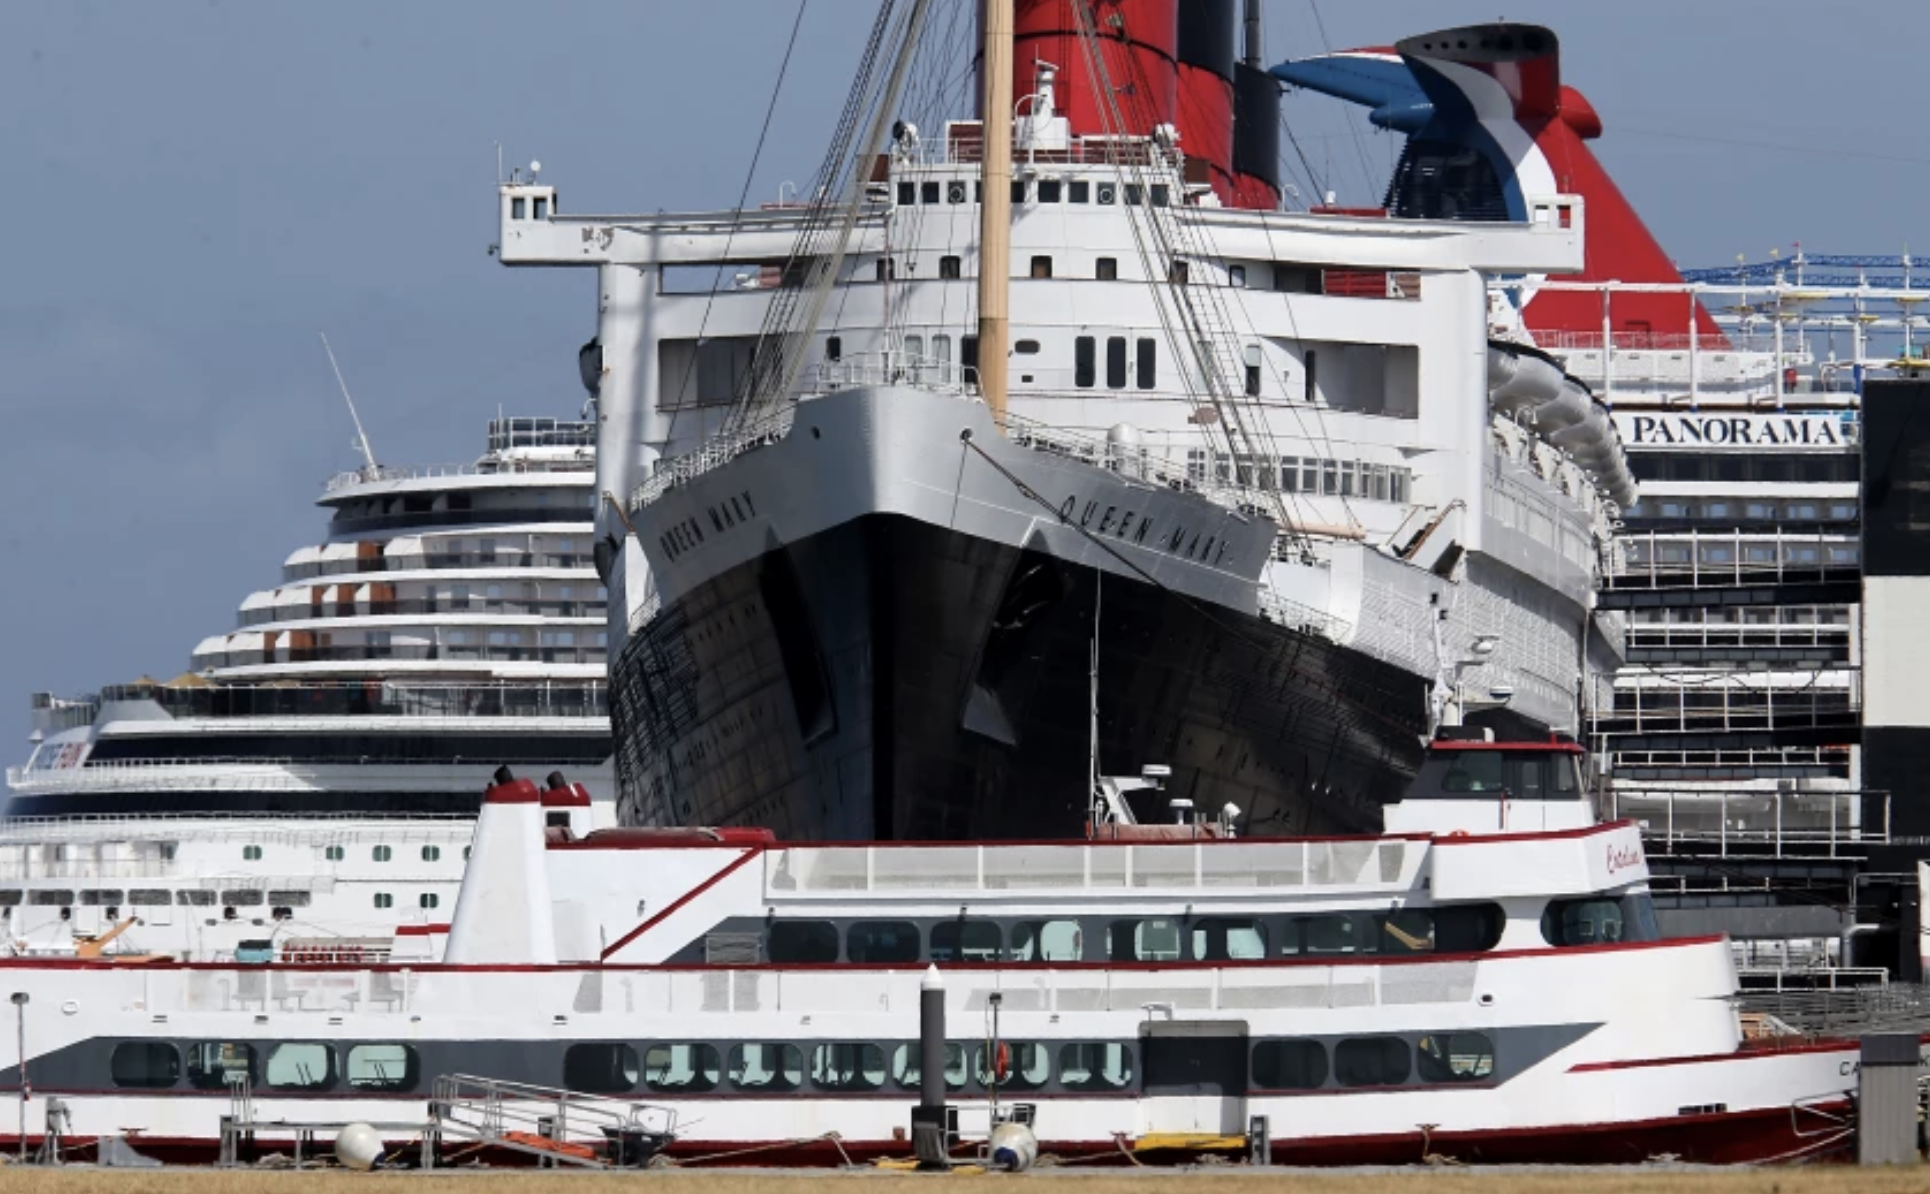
[(361, 436)]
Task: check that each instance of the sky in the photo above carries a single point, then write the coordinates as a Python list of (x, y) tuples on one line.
[(196, 188)]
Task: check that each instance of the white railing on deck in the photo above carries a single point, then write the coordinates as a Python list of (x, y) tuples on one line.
[(841, 871)]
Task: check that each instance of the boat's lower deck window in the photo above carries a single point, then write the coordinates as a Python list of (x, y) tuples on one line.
[(601, 1068), (685, 1069), (381, 1067), (1047, 941), (1016, 1065), (1450, 928), (211, 1063), (1455, 1057), (145, 1064), (300, 1066), (966, 940), (1373, 1061), (847, 1065), (808, 941), (1089, 1066), (907, 1068), (876, 942), (766, 1068), (1289, 1064)]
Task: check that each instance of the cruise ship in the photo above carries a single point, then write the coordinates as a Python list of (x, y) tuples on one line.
[(1732, 733), (312, 779), (1247, 496)]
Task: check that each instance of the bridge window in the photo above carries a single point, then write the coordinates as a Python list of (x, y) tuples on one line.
[(195, 898), (928, 192), (211, 1062), (1017, 1065), (950, 266), (687, 1069), (793, 941), (966, 941), (382, 1067), (149, 1065), (1372, 1061), (1599, 920), (848, 1065), (100, 896), (1106, 269), (1049, 190), (907, 194), (300, 1065), (906, 1066), (539, 208), (146, 897), (874, 942), (1455, 1057), (251, 853), (381, 853), (1089, 1066), (772, 1068), (1148, 371), (602, 1068), (517, 208), (1084, 362), (1116, 362), (431, 853), (1289, 1064), (243, 897), (1079, 191)]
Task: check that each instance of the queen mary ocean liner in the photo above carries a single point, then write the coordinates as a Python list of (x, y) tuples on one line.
[(908, 549)]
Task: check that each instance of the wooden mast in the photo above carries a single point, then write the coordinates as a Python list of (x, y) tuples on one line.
[(995, 208)]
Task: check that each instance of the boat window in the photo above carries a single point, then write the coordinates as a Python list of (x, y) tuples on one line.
[(878, 941), (1179, 273), (195, 898), (300, 1065), (1455, 1057), (382, 1067), (1135, 194), (1049, 190), (1473, 771), (12, 899), (428, 899), (1089, 1066), (950, 266), (803, 941), (1148, 370), (381, 853), (333, 853), (907, 193), (1289, 1064), (242, 897), (955, 191), (847, 1065), (1026, 347), (1042, 267), (516, 208), (287, 899), (47, 897), (966, 941), (1400, 931), (1084, 362), (149, 1065), (766, 1067), (140, 897), (431, 853), (601, 1068), (1160, 192), (1106, 269), (928, 192), (1020, 1065), (1156, 940), (681, 1068), (1047, 941), (99, 896), (1330, 934), (1079, 191), (1116, 362), (907, 1068), (1106, 193), (1595, 921), (1018, 191), (539, 207), (211, 1062), (1236, 275), (1223, 938), (251, 853), (1468, 928), (384, 900), (1372, 1061)]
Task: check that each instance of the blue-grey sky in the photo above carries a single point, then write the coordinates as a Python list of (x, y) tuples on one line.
[(193, 188)]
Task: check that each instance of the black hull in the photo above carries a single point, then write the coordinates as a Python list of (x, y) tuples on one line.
[(892, 680)]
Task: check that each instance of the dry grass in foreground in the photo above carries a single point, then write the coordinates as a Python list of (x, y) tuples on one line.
[(1816, 1180)]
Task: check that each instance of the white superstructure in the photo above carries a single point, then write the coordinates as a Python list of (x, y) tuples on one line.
[(314, 776)]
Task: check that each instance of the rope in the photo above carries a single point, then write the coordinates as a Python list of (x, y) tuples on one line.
[(833, 1138)]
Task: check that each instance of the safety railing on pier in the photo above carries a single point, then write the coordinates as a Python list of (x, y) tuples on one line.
[(1751, 822), (563, 1126)]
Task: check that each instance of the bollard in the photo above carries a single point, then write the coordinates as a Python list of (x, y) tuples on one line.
[(930, 1141), (1886, 1100)]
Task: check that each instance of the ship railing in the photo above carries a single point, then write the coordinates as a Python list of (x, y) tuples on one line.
[(423, 472), (426, 561), (719, 451), (1704, 635), (1713, 559), (1284, 611), (1746, 821), (1721, 707), (285, 653), (1697, 766), (257, 773), (407, 606), (384, 698), (837, 871), (891, 367)]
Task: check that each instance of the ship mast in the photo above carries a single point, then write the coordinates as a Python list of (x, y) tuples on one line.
[(995, 209)]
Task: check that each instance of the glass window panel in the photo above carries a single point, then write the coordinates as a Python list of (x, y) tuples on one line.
[(1094, 1066), (1455, 1057), (149, 1065), (211, 1062), (907, 1069), (966, 941), (847, 1065), (300, 1065), (603, 1067), (381, 1067), (771, 1068), (1289, 1065), (1372, 1061), (687, 1069)]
